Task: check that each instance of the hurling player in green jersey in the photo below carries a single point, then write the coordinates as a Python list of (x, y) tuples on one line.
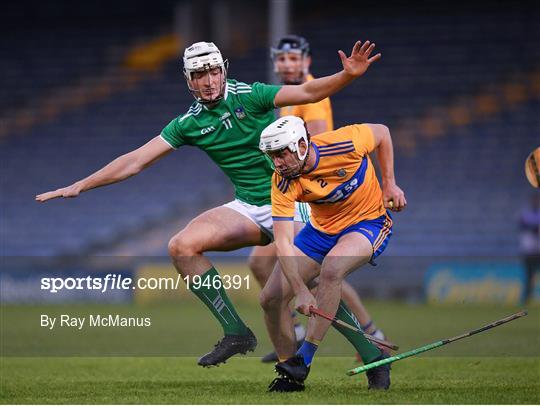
[(225, 121)]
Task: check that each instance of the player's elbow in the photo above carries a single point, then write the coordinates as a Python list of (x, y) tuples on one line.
[(305, 94), (133, 168), (311, 97), (135, 163)]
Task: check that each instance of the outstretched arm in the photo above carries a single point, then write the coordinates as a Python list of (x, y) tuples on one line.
[(121, 168), (385, 157), (315, 90)]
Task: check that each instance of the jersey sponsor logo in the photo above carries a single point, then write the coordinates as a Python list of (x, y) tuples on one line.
[(225, 116), (208, 130), (240, 113), (346, 189)]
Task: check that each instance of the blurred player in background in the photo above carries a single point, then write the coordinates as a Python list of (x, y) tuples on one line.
[(529, 241), (349, 227), (292, 61), (529, 224), (225, 121)]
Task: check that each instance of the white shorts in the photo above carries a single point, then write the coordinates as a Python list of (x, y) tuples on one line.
[(262, 215)]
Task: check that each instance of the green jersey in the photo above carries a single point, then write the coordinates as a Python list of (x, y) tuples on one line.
[(229, 133)]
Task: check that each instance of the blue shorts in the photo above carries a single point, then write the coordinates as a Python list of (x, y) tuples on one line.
[(316, 244)]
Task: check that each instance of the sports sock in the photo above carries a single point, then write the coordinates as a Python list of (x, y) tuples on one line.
[(368, 352), (299, 332), (367, 326), (370, 328), (307, 350), (219, 303), (299, 329)]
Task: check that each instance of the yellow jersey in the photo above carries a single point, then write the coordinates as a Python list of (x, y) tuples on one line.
[(342, 188), (310, 112)]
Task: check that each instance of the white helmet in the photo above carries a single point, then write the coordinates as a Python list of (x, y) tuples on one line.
[(203, 56), (286, 132)]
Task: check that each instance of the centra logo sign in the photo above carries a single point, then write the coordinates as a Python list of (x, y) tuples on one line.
[(475, 283)]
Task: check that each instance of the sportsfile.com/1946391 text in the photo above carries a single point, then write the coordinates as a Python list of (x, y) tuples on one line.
[(114, 281)]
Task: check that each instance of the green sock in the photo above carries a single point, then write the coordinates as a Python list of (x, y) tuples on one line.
[(219, 303), (367, 351)]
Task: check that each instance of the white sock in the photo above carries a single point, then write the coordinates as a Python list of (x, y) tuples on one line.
[(299, 332)]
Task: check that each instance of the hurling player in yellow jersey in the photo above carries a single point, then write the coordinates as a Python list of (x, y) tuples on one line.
[(292, 61), (349, 227)]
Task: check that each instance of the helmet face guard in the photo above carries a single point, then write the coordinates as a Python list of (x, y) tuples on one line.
[(292, 44), (204, 57), (196, 93)]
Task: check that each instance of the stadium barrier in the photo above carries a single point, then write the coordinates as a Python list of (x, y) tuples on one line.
[(475, 283)]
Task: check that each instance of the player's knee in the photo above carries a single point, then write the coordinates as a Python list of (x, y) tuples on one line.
[(180, 246), (331, 273), (269, 300)]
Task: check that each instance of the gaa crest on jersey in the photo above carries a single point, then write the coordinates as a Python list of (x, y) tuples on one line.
[(341, 173), (240, 113)]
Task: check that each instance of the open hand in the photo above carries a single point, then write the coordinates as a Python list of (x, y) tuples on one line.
[(360, 60), (67, 192)]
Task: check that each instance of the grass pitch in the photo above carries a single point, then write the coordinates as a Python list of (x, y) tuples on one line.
[(501, 366), (179, 380)]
